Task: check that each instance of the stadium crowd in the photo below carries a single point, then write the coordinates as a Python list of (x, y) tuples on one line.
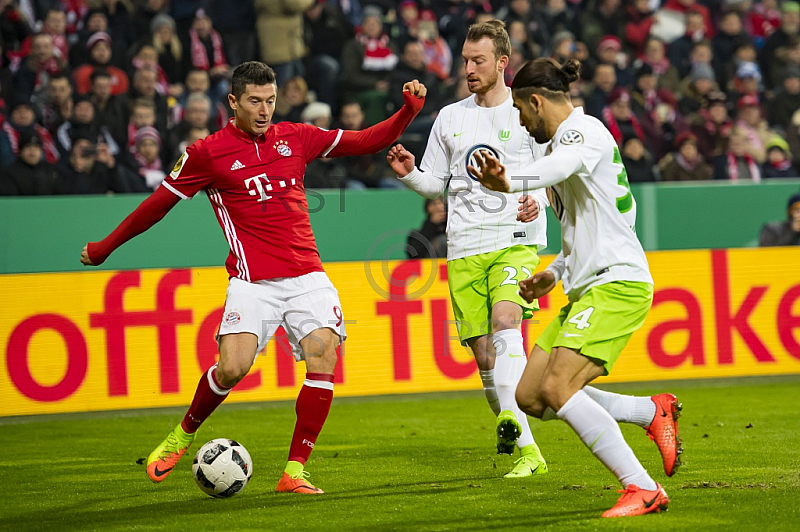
[(102, 96)]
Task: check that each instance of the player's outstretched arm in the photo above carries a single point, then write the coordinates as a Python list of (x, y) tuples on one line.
[(383, 134), (145, 216)]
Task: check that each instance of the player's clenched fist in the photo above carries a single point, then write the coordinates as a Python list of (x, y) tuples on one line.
[(537, 286), (401, 160), (85, 260), (415, 88)]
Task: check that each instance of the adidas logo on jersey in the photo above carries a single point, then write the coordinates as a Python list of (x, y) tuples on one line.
[(237, 165)]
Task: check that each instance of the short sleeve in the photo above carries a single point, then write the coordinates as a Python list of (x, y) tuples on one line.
[(318, 142), (191, 173)]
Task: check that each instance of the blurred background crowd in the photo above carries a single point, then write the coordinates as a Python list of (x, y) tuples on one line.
[(102, 96)]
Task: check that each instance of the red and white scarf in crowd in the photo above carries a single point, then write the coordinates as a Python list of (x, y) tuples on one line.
[(377, 54), (733, 167), (200, 54), (49, 147), (614, 129), (162, 82), (659, 67)]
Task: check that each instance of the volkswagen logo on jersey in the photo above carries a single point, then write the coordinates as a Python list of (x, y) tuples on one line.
[(470, 160), (571, 137)]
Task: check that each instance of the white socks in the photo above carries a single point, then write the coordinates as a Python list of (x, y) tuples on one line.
[(600, 433), (509, 365), (489, 390), (624, 408)]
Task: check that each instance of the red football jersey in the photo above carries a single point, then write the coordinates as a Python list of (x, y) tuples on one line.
[(255, 186)]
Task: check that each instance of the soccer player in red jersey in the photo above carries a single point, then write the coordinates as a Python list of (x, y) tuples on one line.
[(252, 172)]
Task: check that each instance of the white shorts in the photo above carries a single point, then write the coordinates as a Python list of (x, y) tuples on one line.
[(298, 304)]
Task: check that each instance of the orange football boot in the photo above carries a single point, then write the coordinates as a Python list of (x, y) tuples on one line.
[(165, 456), (297, 484), (663, 430), (636, 501)]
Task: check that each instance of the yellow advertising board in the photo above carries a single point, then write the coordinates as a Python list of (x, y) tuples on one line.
[(105, 340)]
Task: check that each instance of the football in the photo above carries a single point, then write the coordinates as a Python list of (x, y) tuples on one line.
[(222, 468)]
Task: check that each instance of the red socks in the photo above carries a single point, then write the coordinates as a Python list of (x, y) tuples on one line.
[(209, 395), (312, 407)]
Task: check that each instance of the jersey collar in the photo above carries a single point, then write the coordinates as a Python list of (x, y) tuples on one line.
[(247, 137)]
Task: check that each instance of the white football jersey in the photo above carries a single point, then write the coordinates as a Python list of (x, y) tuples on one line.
[(480, 220), (596, 209)]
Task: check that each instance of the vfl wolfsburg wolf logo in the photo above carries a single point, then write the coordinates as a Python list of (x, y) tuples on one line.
[(470, 160), (504, 134)]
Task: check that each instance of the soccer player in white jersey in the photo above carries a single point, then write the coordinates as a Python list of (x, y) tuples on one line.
[(490, 246), (604, 272)]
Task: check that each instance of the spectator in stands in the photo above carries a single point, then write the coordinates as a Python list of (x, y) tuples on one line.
[(83, 125), (555, 16), (563, 46), (644, 96), (763, 20), (109, 110), (197, 82), (172, 57), (518, 35), (55, 25), (142, 168), (367, 62), (737, 164), (686, 6), (317, 114), (197, 115), (145, 86), (206, 52), (696, 88), (604, 81), (279, 24), (438, 57), (779, 160), (685, 163), (780, 38), (192, 136), (412, 66), (639, 20), (724, 42), (96, 22), (147, 59), (57, 106), (680, 50), (755, 129), (666, 74), (609, 52), (599, 18), (89, 169), (36, 68), (236, 23), (786, 100), (120, 20), (13, 26), (619, 119), (430, 241), (142, 114), (22, 120), (327, 30), (292, 99), (365, 170), (747, 82), (323, 172), (99, 46), (663, 124), (30, 174), (146, 12), (638, 161), (792, 136), (785, 233)]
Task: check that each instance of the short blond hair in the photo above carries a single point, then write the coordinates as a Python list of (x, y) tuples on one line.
[(494, 30)]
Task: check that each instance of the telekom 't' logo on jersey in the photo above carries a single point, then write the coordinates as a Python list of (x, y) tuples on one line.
[(261, 184)]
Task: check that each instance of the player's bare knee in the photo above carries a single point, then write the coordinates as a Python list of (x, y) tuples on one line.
[(530, 403), (503, 323), (230, 372)]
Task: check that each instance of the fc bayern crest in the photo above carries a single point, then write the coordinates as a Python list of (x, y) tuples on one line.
[(283, 148), (470, 160), (232, 318), (571, 137)]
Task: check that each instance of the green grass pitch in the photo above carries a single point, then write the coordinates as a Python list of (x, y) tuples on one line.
[(423, 462)]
